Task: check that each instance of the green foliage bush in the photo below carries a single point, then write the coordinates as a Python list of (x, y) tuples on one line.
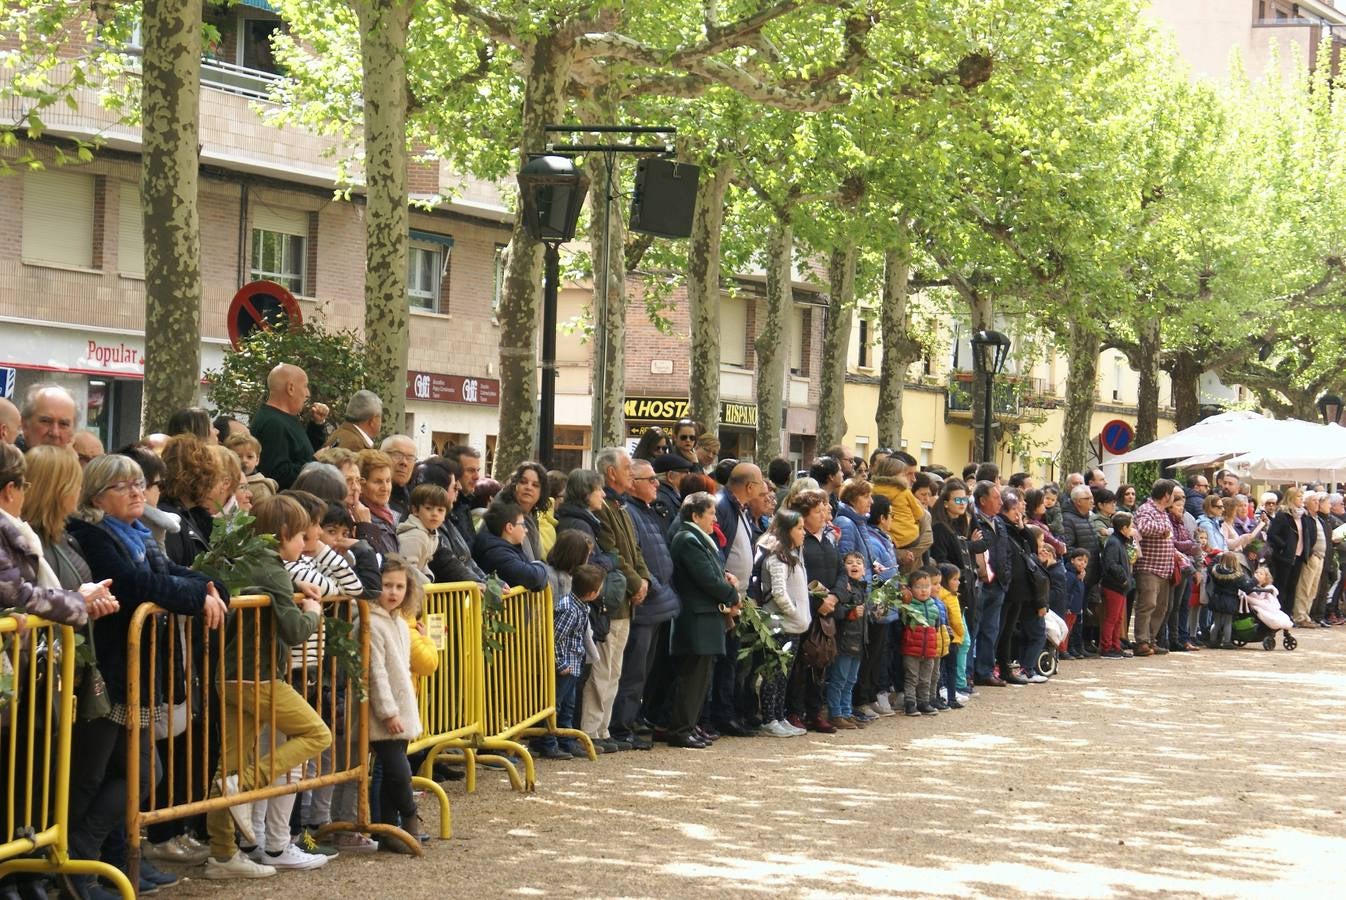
[(334, 361)]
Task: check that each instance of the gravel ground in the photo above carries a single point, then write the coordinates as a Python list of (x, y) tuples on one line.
[(1211, 774)]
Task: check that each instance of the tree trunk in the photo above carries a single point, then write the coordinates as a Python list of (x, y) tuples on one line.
[(609, 261), (836, 342), (703, 294), (772, 343), (1147, 404), (170, 104), (547, 71), (1080, 388), (383, 53), (899, 350), (1185, 375)]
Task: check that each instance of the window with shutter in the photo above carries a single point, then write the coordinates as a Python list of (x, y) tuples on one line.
[(58, 218), (130, 231), (279, 243)]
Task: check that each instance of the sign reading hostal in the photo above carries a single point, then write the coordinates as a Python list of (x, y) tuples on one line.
[(661, 410), (439, 388)]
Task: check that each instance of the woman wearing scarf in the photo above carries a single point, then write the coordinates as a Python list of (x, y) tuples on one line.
[(1289, 544), (380, 532), (118, 547)]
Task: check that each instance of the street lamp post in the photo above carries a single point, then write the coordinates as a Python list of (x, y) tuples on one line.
[(551, 191), (1329, 407), (990, 349)]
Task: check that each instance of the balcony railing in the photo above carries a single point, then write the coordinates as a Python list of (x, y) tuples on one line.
[(236, 79)]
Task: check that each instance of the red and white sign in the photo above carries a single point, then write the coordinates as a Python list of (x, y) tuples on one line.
[(439, 388)]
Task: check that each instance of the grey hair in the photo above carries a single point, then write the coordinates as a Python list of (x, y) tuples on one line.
[(1010, 498), (322, 480), (607, 458), (99, 474), (1081, 490), (30, 399), (695, 504), (363, 406), (1334, 497), (580, 484), (392, 439)]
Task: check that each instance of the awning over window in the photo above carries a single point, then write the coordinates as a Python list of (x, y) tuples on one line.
[(259, 4), (431, 238)]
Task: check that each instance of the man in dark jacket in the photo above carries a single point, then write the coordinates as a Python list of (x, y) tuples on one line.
[(1197, 489), (1078, 531), (995, 579), (733, 513), (469, 471), (651, 619), (498, 549), (670, 467), (286, 445)]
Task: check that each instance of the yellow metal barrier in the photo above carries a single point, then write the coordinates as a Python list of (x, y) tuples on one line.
[(35, 734), (477, 705), (187, 671)]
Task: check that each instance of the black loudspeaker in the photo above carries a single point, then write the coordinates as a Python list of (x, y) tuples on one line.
[(665, 198)]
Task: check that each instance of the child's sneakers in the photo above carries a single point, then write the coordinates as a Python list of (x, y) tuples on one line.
[(307, 840), (909, 707), (880, 706), (292, 858)]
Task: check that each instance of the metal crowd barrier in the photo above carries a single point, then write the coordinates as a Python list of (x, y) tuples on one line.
[(186, 673), (478, 705), (36, 717)]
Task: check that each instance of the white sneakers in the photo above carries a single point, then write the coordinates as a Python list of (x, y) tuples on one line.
[(241, 812), (963, 698), (290, 858), (1037, 678), (238, 866), (782, 729), (881, 706), (183, 849)]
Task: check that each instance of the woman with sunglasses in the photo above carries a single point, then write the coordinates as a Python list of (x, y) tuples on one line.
[(957, 541), (653, 444), (685, 434)]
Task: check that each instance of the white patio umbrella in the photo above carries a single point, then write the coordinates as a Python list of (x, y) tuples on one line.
[(1317, 454), (1231, 432)]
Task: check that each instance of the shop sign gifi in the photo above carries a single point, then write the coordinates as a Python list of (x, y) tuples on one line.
[(671, 409)]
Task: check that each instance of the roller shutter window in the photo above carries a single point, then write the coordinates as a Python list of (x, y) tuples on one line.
[(130, 231), (58, 218)]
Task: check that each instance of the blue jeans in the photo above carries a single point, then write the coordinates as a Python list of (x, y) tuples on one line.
[(841, 677), (1035, 639), (990, 598), (566, 689)]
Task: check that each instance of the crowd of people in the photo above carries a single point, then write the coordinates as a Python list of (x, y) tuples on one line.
[(693, 597)]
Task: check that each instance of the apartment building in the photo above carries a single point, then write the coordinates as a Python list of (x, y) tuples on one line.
[(1209, 32), (72, 268)]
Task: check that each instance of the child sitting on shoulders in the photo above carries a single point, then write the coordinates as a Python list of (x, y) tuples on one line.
[(852, 591), (249, 451)]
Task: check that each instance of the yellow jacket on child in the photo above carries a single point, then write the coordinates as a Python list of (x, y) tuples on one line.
[(955, 615)]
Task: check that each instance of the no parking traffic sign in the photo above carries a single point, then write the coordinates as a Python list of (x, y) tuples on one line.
[(1116, 436), (261, 304)]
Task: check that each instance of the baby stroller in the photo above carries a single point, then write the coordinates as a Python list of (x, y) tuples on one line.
[(1261, 622), (1051, 651)]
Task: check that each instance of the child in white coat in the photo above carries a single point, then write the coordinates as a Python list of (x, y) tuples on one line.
[(393, 720)]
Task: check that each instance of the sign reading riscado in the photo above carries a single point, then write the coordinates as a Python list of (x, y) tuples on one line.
[(671, 409)]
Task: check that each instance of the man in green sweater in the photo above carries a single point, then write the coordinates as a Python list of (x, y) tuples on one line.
[(286, 446)]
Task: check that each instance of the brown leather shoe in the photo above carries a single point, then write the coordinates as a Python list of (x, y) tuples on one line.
[(1192, 648), (1143, 649), (841, 723)]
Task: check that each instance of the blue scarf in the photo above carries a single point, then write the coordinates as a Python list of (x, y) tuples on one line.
[(133, 536)]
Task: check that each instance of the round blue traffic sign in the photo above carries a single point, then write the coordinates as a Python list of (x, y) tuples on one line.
[(1117, 436)]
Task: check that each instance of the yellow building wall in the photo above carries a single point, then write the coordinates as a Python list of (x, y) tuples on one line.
[(932, 440)]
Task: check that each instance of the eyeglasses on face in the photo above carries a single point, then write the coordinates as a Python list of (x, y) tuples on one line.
[(645, 478), (960, 501), (126, 487)]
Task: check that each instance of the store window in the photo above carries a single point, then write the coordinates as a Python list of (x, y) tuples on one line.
[(58, 218), (279, 247), (568, 448)]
